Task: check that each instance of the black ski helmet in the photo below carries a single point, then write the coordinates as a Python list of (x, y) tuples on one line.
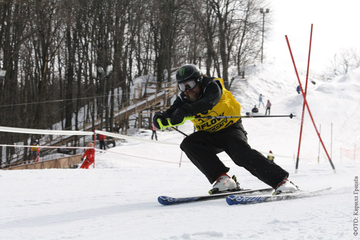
[(187, 72)]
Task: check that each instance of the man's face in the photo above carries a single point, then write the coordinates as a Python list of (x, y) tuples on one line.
[(193, 94), (191, 88)]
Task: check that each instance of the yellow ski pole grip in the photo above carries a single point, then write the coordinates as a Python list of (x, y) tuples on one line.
[(162, 127)]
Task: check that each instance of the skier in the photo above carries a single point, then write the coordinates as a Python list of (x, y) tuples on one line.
[(205, 96), (270, 156), (36, 151), (153, 128), (268, 106), (255, 109), (260, 100), (102, 141), (88, 157)]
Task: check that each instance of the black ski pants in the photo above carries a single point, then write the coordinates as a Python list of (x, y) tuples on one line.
[(202, 148)]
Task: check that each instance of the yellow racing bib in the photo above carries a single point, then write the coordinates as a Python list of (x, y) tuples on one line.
[(227, 106)]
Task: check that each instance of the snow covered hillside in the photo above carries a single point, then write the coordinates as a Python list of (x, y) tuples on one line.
[(118, 198)]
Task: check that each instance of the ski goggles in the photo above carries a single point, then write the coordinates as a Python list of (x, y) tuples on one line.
[(190, 84)]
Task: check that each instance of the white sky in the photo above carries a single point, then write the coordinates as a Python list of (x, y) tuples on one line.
[(335, 27)]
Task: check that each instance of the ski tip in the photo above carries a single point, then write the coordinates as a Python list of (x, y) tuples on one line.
[(230, 199), (164, 200)]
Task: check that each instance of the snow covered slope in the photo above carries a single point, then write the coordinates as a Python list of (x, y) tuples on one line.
[(118, 198)]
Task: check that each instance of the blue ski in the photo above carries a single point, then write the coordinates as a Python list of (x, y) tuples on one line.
[(165, 200), (240, 199)]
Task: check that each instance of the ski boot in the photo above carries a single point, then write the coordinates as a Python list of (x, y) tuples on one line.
[(225, 184), (285, 186)]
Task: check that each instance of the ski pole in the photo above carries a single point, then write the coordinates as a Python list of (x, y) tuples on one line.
[(246, 116), (163, 127), (179, 131)]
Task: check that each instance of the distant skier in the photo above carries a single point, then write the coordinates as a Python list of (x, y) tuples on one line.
[(255, 109), (102, 141), (270, 156), (260, 100), (88, 157), (268, 106), (153, 128), (298, 89), (36, 151)]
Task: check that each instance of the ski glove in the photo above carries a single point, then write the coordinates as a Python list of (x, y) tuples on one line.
[(183, 111), (162, 116)]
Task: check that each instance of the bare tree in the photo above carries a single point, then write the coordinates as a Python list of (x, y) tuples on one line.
[(230, 30), (51, 50), (247, 45), (344, 61)]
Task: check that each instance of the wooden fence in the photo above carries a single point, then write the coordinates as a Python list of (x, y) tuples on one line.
[(63, 162)]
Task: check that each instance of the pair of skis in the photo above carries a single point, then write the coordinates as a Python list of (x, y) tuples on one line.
[(244, 196)]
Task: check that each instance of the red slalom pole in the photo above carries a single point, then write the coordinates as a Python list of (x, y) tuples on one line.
[(307, 106), (94, 148), (303, 109)]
